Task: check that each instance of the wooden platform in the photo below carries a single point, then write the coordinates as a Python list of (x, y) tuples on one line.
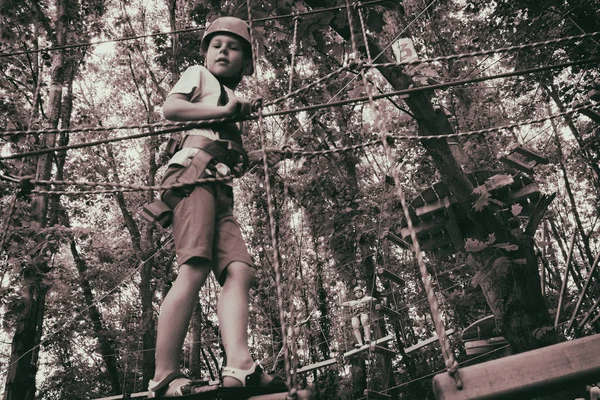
[(384, 339), (526, 375), (301, 395), (441, 225)]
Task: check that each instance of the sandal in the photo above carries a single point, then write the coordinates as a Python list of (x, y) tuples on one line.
[(187, 389), (251, 383)]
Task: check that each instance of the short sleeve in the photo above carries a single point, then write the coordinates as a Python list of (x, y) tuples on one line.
[(190, 80)]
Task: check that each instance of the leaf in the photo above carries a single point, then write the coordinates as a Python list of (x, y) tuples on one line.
[(520, 261), (484, 197), (491, 239), (507, 246), (474, 245), (516, 209)]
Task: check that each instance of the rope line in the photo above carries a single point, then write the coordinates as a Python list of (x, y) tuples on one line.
[(486, 52), (194, 29), (440, 328), (199, 124), (288, 151)]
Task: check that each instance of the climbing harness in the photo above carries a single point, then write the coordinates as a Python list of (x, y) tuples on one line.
[(195, 157)]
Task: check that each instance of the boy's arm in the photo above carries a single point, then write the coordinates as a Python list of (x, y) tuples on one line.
[(177, 107), (274, 155)]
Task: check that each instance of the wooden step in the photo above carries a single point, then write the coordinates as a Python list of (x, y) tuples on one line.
[(382, 350), (531, 155), (515, 163), (384, 273), (388, 311)]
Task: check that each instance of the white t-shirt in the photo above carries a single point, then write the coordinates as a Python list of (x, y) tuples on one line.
[(202, 87)]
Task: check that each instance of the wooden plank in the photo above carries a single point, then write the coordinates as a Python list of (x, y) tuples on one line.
[(474, 347), (301, 394), (513, 162), (526, 375), (531, 154), (371, 394), (423, 228), (382, 350), (384, 273), (524, 192), (426, 342), (388, 311), (366, 347), (350, 353), (398, 240)]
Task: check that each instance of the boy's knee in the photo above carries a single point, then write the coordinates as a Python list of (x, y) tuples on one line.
[(239, 272)]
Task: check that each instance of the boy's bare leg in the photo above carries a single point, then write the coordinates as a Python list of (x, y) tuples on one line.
[(356, 330), (175, 314), (232, 311), (364, 319)]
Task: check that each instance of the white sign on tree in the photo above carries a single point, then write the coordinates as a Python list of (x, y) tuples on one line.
[(404, 50)]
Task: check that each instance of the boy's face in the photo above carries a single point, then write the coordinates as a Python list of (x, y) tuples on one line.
[(225, 56)]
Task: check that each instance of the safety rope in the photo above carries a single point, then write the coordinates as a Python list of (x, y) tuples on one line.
[(276, 256), (173, 32), (287, 151), (440, 328), (479, 53)]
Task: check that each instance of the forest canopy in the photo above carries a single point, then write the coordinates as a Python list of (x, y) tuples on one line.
[(470, 126)]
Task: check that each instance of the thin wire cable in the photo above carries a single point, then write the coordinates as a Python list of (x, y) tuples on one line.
[(194, 29)]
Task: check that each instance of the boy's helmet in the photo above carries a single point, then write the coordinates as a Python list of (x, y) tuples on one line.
[(232, 26), (357, 289)]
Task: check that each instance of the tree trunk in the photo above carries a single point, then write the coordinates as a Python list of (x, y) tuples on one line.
[(107, 347), (20, 381), (514, 294)]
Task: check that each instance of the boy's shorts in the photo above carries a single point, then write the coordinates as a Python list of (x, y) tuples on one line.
[(204, 227)]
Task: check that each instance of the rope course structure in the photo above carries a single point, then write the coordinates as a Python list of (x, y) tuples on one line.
[(459, 382)]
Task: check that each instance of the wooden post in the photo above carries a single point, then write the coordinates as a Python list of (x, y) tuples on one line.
[(566, 278)]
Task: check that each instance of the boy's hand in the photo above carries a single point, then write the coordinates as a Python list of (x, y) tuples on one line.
[(274, 155), (237, 107)]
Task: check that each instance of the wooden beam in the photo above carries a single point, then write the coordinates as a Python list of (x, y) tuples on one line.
[(384, 273), (424, 343), (350, 353), (526, 375), (366, 347)]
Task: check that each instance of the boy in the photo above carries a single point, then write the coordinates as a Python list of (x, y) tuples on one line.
[(360, 311), (207, 236)]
